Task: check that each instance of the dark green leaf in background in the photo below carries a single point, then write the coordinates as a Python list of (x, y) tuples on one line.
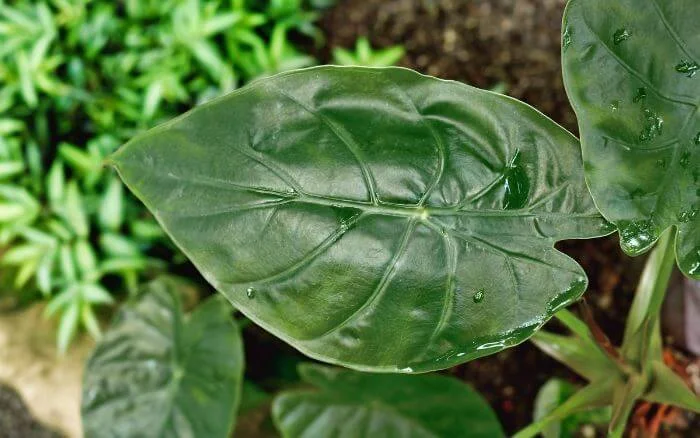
[(374, 218), (350, 404), (630, 69), (158, 373)]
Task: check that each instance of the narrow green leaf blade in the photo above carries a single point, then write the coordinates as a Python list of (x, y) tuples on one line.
[(362, 405), (669, 388), (624, 398), (68, 326), (581, 355), (111, 213), (158, 373), (630, 71), (342, 208)]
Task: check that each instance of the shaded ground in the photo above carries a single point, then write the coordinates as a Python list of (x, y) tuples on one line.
[(15, 419)]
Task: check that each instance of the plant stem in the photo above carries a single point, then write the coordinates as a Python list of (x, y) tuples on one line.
[(652, 286)]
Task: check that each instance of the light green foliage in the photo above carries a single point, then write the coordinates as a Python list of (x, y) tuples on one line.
[(342, 241), (160, 373), (357, 405), (553, 394), (630, 69), (80, 77), (365, 56)]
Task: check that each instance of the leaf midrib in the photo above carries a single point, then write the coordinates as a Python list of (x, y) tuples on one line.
[(382, 208), (417, 211)]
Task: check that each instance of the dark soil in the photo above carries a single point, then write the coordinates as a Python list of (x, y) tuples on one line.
[(479, 42), (15, 419)]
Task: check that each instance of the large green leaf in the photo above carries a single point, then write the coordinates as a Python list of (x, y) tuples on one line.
[(350, 404), (374, 218), (630, 71), (157, 373)]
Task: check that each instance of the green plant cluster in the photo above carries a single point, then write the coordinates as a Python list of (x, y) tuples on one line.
[(78, 78), (365, 55)]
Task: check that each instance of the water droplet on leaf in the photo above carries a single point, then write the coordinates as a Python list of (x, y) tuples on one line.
[(687, 215), (652, 126), (479, 295), (621, 35), (566, 38), (694, 269), (516, 183), (491, 345), (691, 262), (685, 159), (688, 68), (640, 95), (637, 236), (615, 105), (250, 293), (697, 139)]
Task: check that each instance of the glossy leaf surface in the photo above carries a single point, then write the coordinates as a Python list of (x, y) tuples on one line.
[(350, 404), (158, 373), (374, 218), (630, 72)]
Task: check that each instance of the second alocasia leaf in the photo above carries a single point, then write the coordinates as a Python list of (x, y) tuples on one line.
[(631, 71), (374, 218), (160, 373), (349, 404)]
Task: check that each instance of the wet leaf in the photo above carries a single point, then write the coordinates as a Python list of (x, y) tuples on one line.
[(629, 72), (362, 405), (374, 218), (158, 373)]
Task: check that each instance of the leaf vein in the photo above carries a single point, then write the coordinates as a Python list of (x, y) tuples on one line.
[(676, 38), (310, 256), (437, 142), (451, 255), (632, 71), (383, 283), (345, 139)]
